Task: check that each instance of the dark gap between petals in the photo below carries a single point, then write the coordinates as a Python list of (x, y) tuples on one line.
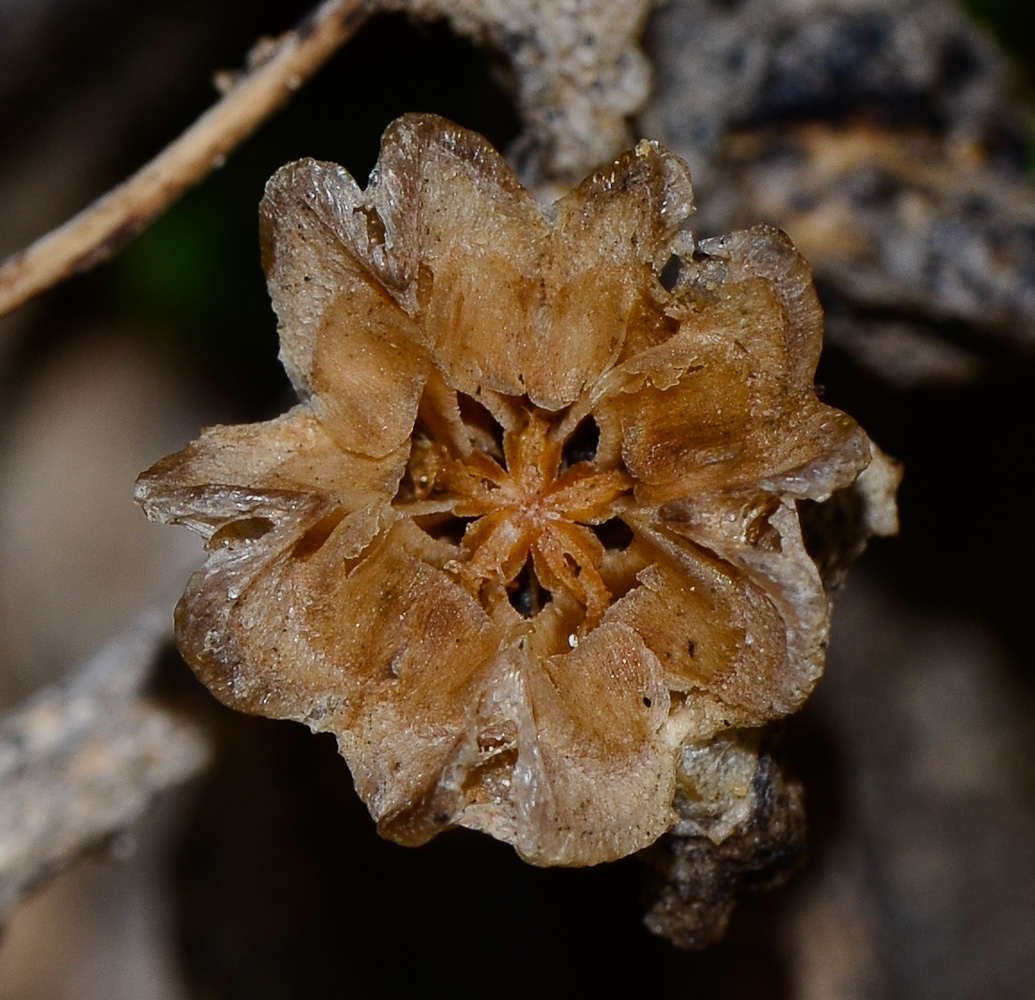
[(582, 443), (444, 527), (669, 276), (613, 534), (526, 594)]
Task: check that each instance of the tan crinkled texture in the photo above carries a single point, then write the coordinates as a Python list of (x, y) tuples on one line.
[(533, 527)]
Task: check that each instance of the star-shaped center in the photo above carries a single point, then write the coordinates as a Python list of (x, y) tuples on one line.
[(529, 498)]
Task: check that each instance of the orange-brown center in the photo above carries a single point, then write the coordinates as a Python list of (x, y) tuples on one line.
[(528, 508)]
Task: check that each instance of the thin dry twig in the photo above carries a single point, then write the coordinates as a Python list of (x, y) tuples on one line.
[(275, 70)]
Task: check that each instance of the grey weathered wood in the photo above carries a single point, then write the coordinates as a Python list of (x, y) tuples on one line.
[(82, 760)]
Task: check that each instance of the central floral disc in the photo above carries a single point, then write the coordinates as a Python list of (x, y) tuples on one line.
[(523, 503)]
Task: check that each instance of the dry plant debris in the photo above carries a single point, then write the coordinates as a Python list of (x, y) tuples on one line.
[(530, 540), (578, 74), (891, 139), (83, 760)]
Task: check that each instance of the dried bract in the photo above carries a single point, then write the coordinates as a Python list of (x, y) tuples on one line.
[(533, 527)]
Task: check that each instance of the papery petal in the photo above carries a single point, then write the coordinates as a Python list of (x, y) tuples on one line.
[(725, 637), (610, 235), (600, 777), (345, 342), (357, 635), (466, 239), (759, 538), (727, 403), (283, 469), (570, 758)]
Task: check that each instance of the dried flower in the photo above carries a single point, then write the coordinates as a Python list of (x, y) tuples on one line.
[(533, 527)]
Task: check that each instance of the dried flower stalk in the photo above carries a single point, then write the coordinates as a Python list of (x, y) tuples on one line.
[(532, 529)]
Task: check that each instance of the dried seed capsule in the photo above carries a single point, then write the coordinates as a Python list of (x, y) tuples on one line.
[(533, 527)]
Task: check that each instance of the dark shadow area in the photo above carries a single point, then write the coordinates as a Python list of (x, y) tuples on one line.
[(1011, 21), (285, 890), (965, 549)]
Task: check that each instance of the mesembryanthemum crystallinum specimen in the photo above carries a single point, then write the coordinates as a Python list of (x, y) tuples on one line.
[(532, 528)]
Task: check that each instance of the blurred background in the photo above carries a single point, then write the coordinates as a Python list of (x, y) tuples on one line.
[(265, 878)]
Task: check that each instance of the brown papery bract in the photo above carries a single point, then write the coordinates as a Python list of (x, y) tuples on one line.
[(532, 528)]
